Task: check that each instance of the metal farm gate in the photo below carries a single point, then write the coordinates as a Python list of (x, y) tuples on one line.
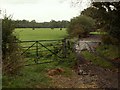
[(44, 51)]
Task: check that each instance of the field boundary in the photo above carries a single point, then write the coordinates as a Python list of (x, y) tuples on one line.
[(58, 50)]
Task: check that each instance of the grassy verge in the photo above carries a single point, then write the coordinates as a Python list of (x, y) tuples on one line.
[(29, 77), (36, 76), (109, 51), (98, 33)]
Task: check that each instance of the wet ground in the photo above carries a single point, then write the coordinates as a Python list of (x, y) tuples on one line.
[(88, 76)]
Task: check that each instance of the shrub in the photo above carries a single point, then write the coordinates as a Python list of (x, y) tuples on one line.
[(107, 39), (10, 51), (80, 26)]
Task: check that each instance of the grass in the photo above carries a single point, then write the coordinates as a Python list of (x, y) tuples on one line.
[(30, 77), (35, 76), (40, 33), (98, 33), (27, 34), (109, 51), (96, 60)]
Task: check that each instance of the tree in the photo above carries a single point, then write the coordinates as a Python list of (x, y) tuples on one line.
[(33, 22), (53, 24), (106, 15), (80, 26)]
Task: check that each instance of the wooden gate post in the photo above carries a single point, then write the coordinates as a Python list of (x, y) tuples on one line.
[(37, 55), (64, 48)]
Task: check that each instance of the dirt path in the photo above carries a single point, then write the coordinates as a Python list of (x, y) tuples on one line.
[(75, 81), (92, 38), (91, 77)]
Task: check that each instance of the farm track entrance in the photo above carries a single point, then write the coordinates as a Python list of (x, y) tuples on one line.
[(47, 51), (44, 51)]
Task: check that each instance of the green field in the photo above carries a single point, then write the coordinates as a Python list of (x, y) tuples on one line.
[(35, 76), (40, 33), (28, 34)]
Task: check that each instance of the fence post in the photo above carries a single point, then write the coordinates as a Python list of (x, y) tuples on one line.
[(37, 55), (64, 48)]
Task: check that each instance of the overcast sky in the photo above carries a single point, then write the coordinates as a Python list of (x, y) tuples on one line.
[(42, 10)]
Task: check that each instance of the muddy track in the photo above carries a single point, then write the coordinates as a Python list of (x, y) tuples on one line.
[(91, 77), (87, 75)]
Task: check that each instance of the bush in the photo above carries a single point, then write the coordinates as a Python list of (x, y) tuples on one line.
[(12, 60), (107, 39), (80, 26)]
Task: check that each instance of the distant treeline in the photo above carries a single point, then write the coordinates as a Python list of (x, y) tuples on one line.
[(33, 24)]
